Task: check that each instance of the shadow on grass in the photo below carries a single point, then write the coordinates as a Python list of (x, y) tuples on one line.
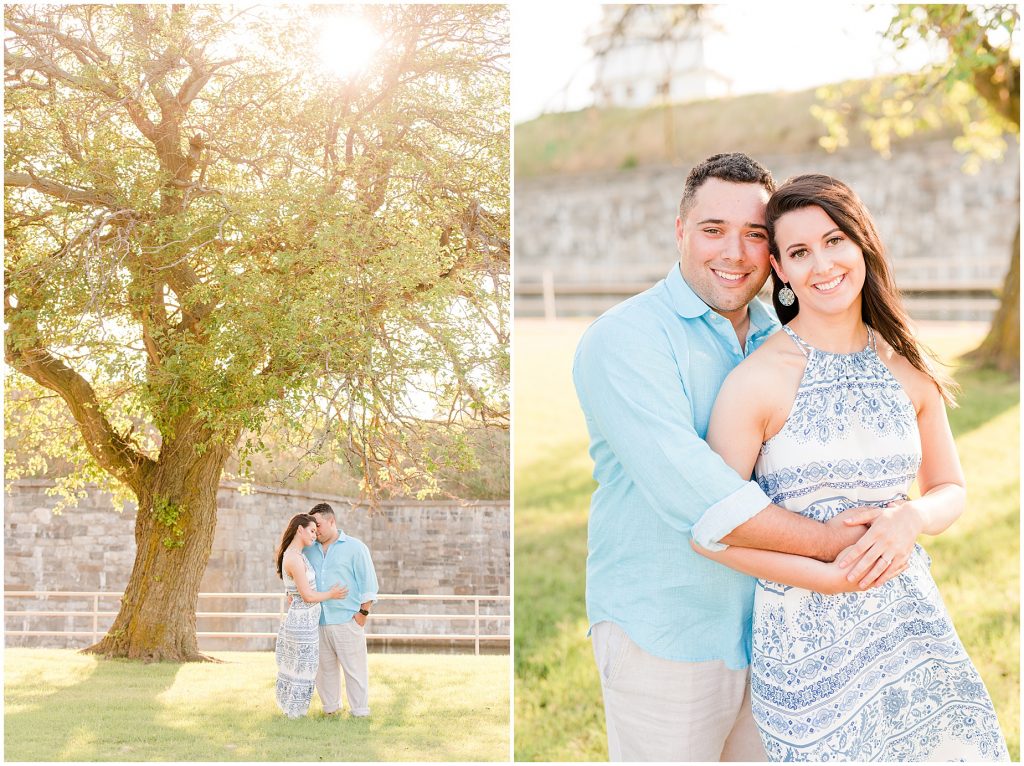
[(559, 479), (549, 598), (559, 714), (265, 734), (119, 712), (985, 394), (61, 725), (248, 729), (551, 543), (122, 711)]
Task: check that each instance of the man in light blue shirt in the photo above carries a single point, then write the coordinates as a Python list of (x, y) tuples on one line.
[(336, 557), (671, 629)]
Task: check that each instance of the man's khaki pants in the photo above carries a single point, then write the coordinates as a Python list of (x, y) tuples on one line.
[(662, 710), (344, 646)]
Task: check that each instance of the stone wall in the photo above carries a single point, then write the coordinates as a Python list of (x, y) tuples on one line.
[(427, 548), (938, 224)]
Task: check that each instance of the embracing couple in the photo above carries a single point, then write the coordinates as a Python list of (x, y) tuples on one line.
[(322, 633), (792, 616)]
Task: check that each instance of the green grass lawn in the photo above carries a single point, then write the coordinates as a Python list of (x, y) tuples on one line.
[(64, 706), (558, 713)]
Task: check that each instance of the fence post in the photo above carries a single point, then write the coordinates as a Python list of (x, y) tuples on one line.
[(95, 617), (548, 283), (476, 626)]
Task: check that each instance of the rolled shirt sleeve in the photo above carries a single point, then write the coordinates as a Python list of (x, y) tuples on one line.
[(727, 514), (630, 387), (366, 576)]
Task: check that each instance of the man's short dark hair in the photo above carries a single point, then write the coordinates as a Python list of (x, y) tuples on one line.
[(735, 167), (323, 509)]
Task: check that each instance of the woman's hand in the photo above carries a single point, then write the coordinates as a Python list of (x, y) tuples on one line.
[(337, 591), (884, 550)]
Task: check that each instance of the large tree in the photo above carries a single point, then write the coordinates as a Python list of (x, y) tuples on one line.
[(977, 78), (211, 236)]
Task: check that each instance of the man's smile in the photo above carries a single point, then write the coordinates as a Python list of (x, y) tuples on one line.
[(730, 276)]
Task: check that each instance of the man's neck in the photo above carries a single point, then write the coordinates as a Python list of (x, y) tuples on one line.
[(740, 321)]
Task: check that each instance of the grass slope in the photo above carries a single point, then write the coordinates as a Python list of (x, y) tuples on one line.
[(558, 714), (760, 124), (64, 706)]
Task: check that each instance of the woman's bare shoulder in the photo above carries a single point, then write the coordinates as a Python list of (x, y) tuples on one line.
[(290, 561), (917, 384)]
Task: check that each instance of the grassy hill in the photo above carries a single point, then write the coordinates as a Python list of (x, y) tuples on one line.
[(619, 138)]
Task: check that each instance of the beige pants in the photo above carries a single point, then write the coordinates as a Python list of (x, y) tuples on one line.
[(662, 710), (343, 646)]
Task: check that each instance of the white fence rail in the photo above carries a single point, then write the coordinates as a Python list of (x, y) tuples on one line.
[(100, 619)]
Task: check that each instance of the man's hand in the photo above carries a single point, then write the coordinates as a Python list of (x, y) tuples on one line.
[(360, 619), (884, 550), (845, 534)]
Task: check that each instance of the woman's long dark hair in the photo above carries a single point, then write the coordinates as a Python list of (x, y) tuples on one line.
[(298, 520), (881, 304)]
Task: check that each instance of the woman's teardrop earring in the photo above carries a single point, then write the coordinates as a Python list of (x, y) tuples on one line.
[(786, 296)]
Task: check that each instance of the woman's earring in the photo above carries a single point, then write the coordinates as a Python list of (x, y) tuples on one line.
[(786, 296)]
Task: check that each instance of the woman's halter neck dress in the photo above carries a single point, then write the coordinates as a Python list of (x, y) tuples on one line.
[(298, 648), (879, 675)]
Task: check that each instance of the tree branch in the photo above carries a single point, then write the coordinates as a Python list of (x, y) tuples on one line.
[(109, 448), (501, 416), (86, 51), (48, 67), (59, 190), (999, 85), (197, 79)]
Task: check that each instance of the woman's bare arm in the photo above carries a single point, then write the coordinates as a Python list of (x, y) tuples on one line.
[(785, 568), (296, 569), (940, 479)]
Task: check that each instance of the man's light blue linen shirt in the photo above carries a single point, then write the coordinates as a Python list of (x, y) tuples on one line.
[(647, 373), (347, 562)]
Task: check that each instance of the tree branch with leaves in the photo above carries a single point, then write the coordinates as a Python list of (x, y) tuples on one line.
[(974, 84)]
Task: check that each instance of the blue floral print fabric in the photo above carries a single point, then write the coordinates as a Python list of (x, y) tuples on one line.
[(879, 675), (298, 649)]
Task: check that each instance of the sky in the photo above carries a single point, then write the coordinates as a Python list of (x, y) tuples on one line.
[(761, 47)]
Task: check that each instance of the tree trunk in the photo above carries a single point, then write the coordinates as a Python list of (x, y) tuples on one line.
[(1001, 347), (174, 532)]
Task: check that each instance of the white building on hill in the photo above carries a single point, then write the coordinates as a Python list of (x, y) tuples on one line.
[(653, 54)]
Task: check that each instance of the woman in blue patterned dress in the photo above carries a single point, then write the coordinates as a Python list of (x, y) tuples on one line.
[(298, 639), (847, 414)]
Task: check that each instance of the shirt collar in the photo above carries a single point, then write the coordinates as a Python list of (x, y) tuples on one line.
[(341, 538), (684, 299), (762, 319), (689, 306)]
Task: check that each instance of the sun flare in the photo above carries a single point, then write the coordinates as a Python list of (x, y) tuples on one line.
[(346, 45)]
